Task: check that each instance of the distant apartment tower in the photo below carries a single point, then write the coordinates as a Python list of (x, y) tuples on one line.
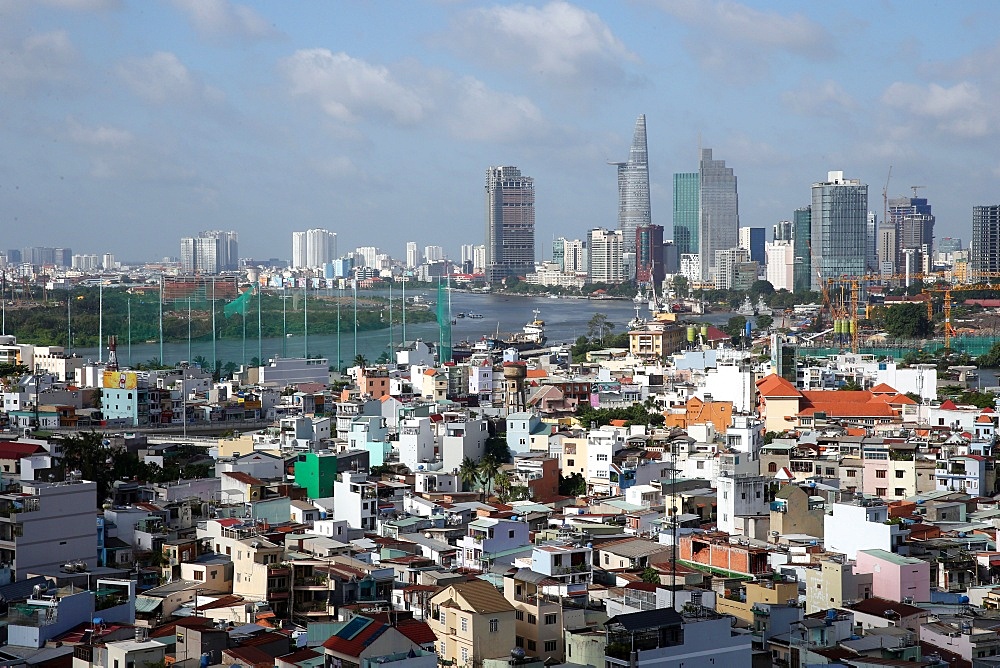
[(86, 262), (510, 223), (752, 239), (604, 251), (108, 262), (802, 242), (871, 242), (839, 228), (780, 272), (479, 258), (633, 186), (914, 223), (365, 256), (412, 255), (782, 231), (950, 245), (570, 254), (718, 211), (433, 254), (649, 266), (686, 212), (313, 248), (468, 252), (227, 252), (985, 253), (200, 255)]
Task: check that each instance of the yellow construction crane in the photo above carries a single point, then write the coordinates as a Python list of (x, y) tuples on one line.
[(946, 307)]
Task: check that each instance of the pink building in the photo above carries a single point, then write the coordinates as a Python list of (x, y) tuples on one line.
[(896, 578)]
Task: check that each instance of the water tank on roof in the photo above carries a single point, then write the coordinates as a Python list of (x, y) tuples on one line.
[(963, 599)]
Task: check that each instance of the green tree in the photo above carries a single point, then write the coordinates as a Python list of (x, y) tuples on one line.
[(360, 361), (651, 575), (764, 321), (598, 327), (497, 449), (502, 484), (991, 359), (907, 321), (572, 485), (488, 469), (850, 386), (468, 473), (762, 288), (681, 285), (735, 326)]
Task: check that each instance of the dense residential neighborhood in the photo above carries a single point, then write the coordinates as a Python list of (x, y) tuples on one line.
[(687, 508)]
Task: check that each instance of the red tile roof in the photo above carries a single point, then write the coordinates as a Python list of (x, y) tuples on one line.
[(776, 386), (245, 478), (417, 631), (883, 388), (12, 450), (948, 405)]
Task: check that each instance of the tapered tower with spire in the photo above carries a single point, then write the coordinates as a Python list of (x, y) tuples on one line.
[(633, 187)]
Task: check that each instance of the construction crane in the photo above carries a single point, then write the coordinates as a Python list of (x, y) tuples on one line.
[(946, 307), (914, 189)]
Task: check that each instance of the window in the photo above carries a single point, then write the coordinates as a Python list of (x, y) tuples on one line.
[(519, 615), (550, 645), (531, 645), (570, 462), (494, 625), (532, 619), (510, 534), (900, 491), (198, 575), (880, 491), (851, 473), (899, 474), (772, 467), (602, 458), (880, 473), (518, 640), (550, 618), (465, 624), (465, 655), (830, 471), (442, 649)]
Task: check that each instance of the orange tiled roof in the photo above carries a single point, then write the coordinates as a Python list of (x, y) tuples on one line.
[(776, 386)]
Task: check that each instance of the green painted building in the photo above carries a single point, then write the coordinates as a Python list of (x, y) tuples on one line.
[(686, 205), (316, 473)]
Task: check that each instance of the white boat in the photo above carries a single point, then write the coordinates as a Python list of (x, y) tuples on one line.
[(746, 308), (762, 307)]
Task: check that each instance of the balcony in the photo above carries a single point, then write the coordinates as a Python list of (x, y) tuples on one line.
[(312, 582), (312, 608)]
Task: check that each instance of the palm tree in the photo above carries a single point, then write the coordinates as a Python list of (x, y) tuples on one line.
[(468, 473), (361, 362), (488, 469), (502, 483)]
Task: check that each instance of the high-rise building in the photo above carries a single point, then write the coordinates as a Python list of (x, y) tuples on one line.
[(313, 248), (365, 256), (574, 256), (984, 256), (888, 249), (633, 186), (413, 255), (950, 245), (510, 223), (200, 255), (604, 251), (871, 242), (649, 254), (753, 239), (108, 261), (433, 254), (782, 231), (227, 248), (839, 228), (726, 263), (686, 212), (914, 223), (479, 258), (718, 210), (559, 252), (780, 270), (802, 241), (468, 252), (89, 262)]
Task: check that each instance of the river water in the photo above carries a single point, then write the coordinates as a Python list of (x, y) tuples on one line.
[(565, 320)]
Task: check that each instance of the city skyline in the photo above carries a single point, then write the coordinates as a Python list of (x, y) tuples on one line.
[(265, 119)]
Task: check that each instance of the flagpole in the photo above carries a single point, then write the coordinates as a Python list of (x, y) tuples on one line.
[(340, 298), (100, 322), (215, 354)]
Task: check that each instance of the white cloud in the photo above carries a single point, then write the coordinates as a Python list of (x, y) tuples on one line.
[(824, 98), (82, 5), (960, 111), (99, 136), (559, 43), (221, 18), (43, 58), (162, 78), (349, 88), (736, 41)]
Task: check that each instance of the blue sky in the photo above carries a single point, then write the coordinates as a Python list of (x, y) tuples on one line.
[(125, 125)]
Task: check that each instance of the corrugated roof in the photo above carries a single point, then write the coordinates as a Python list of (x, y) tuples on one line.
[(478, 596)]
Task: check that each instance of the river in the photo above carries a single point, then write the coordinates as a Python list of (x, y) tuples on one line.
[(565, 320)]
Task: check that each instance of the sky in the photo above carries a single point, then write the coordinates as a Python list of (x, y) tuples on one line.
[(125, 125)]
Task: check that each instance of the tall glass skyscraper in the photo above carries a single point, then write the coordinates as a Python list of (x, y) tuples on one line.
[(718, 211), (984, 255), (686, 212), (802, 240), (510, 223), (633, 187), (839, 228)]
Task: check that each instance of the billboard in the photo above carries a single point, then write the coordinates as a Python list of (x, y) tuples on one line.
[(122, 380)]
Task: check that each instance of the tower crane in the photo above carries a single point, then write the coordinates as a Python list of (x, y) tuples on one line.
[(914, 189)]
